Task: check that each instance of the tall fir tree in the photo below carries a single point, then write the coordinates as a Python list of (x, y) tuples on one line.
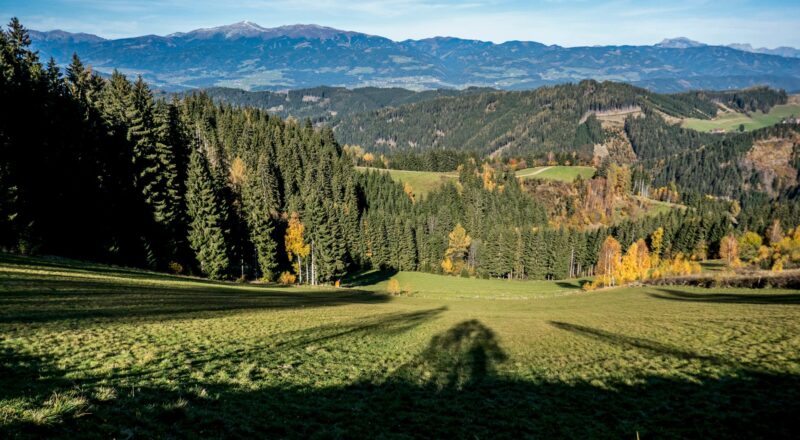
[(206, 235)]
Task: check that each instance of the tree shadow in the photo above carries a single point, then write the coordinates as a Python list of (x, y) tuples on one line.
[(86, 267), (369, 278), (728, 298), (656, 347), (462, 356), (574, 284), (463, 396), (35, 299)]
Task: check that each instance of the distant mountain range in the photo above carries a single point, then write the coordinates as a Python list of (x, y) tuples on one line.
[(684, 43), (248, 56)]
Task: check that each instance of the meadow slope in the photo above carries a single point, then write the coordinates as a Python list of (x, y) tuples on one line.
[(99, 352)]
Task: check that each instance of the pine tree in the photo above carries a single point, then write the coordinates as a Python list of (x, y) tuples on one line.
[(206, 234), (259, 195)]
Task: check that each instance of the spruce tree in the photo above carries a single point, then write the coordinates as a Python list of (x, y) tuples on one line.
[(206, 234)]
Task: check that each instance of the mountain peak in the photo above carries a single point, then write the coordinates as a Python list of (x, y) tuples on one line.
[(679, 43), (248, 29)]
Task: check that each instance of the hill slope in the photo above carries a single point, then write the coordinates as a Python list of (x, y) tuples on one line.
[(163, 356), (567, 118)]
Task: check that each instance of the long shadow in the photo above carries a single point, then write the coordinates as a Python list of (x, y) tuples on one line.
[(656, 347), (369, 278), (84, 267), (452, 389), (728, 298), (38, 300), (382, 325)]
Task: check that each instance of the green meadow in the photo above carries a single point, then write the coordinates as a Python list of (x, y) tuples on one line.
[(422, 182), (730, 121), (107, 352)]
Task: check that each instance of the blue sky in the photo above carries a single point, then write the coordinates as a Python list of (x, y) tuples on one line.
[(566, 22)]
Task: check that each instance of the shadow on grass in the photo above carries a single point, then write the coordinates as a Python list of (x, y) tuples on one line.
[(655, 347), (81, 267), (35, 299), (369, 278), (728, 298), (573, 284), (452, 389)]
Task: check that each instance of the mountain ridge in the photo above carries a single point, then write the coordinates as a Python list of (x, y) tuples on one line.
[(248, 56)]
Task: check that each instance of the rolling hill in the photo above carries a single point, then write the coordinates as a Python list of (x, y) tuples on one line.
[(570, 118)]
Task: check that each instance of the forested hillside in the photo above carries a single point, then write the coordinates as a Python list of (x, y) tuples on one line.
[(101, 169), (518, 124), (190, 185), (324, 103)]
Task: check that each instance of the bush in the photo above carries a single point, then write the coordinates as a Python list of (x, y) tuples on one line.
[(393, 288), (175, 267), (287, 278)]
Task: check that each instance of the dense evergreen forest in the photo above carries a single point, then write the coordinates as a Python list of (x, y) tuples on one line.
[(321, 104), (99, 168), (516, 124)]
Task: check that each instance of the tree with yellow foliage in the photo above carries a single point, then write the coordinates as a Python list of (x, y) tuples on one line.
[(457, 247), (656, 241), (749, 244), (609, 261), (409, 190), (729, 251), (295, 243)]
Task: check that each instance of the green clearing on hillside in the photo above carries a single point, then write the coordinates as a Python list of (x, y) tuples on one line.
[(730, 121), (101, 352), (561, 173), (422, 182)]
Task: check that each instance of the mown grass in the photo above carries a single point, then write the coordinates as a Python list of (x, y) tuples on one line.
[(100, 352), (561, 173), (730, 121), (422, 182)]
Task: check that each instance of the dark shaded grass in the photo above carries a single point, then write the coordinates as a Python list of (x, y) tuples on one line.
[(462, 396), (453, 388), (728, 298)]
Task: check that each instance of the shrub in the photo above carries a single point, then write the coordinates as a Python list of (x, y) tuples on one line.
[(393, 287), (287, 278), (175, 267)]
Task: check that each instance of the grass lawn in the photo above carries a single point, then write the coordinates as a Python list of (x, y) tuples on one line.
[(101, 352), (422, 182), (560, 173), (731, 121)]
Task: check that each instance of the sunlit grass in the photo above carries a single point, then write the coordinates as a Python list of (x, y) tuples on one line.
[(730, 121), (95, 351)]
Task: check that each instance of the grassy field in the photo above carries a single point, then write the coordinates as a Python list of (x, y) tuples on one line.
[(422, 182), (102, 352), (730, 121), (560, 173)]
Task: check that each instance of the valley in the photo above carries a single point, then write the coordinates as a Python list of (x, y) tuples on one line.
[(303, 232)]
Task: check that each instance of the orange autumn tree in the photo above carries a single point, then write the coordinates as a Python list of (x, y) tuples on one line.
[(295, 243), (608, 263)]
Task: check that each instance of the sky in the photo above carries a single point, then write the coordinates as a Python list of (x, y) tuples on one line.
[(767, 23)]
